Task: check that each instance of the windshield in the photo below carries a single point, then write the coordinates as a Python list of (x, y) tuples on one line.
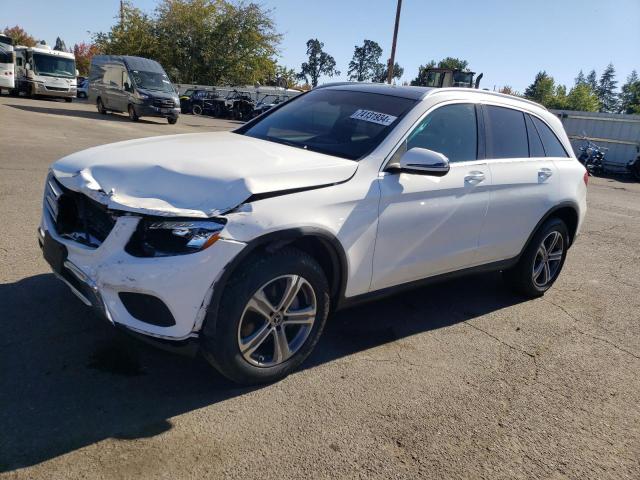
[(54, 66), (343, 123), (152, 81), (462, 79)]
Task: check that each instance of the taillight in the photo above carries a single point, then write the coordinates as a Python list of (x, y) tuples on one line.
[(586, 177)]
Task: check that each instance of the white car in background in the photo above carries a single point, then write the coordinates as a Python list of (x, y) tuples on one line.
[(244, 241)]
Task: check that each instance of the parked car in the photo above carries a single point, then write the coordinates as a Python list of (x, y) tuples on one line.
[(201, 102), (266, 103), (135, 85), (241, 243), (83, 87)]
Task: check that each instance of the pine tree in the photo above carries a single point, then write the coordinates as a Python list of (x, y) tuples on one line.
[(606, 90), (592, 80), (630, 96), (580, 79), (542, 90)]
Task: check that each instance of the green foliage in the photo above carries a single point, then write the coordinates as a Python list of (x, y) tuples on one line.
[(365, 62), (211, 42), (592, 80), (630, 96), (606, 90), (580, 79), (382, 72), (508, 90), (19, 36), (319, 63), (453, 63), (582, 98), (542, 90)]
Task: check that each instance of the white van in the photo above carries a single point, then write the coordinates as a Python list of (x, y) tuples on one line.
[(43, 71)]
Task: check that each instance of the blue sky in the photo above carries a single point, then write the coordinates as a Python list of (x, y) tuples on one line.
[(507, 40)]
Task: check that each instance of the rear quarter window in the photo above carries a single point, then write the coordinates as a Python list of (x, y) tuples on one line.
[(552, 146)]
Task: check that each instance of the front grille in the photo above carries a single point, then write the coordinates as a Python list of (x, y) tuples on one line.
[(76, 216), (56, 89), (163, 103)]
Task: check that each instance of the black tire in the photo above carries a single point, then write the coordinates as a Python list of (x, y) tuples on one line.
[(635, 170), (221, 335), (521, 277), (196, 110), (133, 116), (172, 120), (68, 99), (100, 107)]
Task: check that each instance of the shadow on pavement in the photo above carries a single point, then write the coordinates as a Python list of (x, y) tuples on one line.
[(69, 112), (68, 380)]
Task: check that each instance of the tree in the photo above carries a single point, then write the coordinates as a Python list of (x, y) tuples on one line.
[(508, 90), (366, 59), (382, 72), (453, 63), (606, 90), (592, 80), (320, 63), (559, 98), (582, 98), (19, 36), (83, 53), (630, 96), (213, 42), (421, 79), (60, 45), (580, 79), (542, 90)]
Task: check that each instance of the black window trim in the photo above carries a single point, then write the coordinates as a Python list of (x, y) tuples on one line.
[(479, 131)]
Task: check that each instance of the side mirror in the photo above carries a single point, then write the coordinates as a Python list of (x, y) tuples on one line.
[(27, 66), (77, 72), (127, 87), (423, 161)]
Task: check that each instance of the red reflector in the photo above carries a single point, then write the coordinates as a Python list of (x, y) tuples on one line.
[(586, 178)]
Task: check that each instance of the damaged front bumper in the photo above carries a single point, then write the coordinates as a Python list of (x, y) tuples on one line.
[(162, 297)]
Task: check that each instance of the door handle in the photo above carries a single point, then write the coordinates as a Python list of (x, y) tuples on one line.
[(474, 177), (544, 173)]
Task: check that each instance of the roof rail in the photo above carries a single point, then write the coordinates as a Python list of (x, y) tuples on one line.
[(489, 92)]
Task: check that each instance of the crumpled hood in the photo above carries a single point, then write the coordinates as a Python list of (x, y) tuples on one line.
[(201, 175)]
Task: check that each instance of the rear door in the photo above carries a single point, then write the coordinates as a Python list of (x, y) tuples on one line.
[(523, 179)]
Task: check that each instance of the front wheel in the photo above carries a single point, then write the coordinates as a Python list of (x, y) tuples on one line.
[(271, 316), (133, 116), (172, 120), (196, 110), (100, 107), (68, 99), (541, 262)]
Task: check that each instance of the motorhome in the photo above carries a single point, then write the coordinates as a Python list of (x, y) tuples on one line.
[(43, 71), (7, 63)]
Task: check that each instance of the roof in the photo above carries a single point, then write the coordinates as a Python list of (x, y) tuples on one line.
[(413, 93), (419, 93), (133, 63)]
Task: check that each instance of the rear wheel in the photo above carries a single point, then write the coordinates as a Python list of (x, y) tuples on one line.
[(100, 106), (133, 116), (271, 316), (542, 260)]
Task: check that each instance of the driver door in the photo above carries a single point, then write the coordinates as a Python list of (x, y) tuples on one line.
[(429, 225)]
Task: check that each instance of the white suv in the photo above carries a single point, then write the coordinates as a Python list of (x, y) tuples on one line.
[(246, 240)]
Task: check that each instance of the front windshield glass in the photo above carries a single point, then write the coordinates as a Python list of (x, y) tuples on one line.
[(343, 123), (54, 66), (152, 81)]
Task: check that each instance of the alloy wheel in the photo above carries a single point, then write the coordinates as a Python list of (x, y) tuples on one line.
[(546, 264), (277, 320)]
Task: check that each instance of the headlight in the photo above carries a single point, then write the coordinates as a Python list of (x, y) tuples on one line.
[(140, 96), (163, 238)]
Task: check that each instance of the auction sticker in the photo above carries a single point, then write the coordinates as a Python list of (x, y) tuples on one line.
[(373, 117)]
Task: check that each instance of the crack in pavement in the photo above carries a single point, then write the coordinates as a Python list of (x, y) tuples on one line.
[(595, 337), (531, 355)]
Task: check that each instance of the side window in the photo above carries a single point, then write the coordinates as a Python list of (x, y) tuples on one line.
[(126, 83), (506, 133), (451, 130), (535, 144), (552, 145)]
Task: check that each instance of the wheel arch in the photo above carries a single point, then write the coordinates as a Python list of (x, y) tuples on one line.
[(321, 244), (565, 211)]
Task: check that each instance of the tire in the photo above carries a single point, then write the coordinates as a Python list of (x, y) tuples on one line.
[(68, 99), (133, 116), (238, 322), (172, 120), (100, 107), (635, 170), (522, 278), (196, 110)]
